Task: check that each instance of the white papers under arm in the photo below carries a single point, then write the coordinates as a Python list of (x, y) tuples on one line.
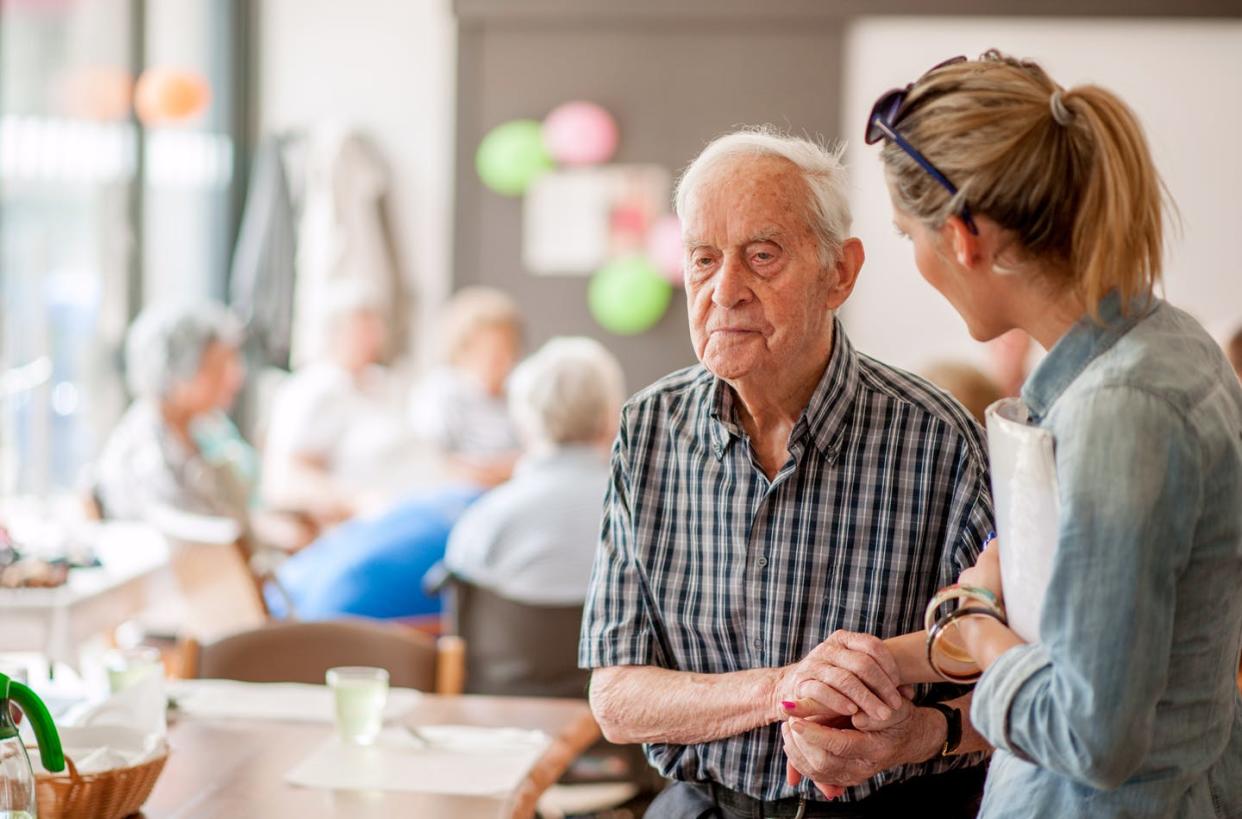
[(1028, 510)]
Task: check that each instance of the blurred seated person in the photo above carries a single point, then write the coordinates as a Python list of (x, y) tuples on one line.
[(335, 430), (372, 566), (519, 560), (459, 407), (968, 384), (533, 539), (175, 459), (175, 451)]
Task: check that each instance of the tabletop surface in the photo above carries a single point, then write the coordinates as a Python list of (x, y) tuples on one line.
[(236, 769)]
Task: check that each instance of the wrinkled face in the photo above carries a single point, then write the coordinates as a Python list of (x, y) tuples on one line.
[(216, 384), (757, 289)]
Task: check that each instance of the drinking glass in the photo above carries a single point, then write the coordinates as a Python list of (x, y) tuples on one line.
[(360, 693), (129, 665)]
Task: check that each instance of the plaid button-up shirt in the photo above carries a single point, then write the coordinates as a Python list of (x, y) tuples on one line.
[(707, 566)]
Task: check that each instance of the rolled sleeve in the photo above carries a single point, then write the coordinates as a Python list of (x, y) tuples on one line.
[(997, 690), (616, 629)]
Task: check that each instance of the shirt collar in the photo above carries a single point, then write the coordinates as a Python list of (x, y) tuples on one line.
[(1085, 341), (824, 416)]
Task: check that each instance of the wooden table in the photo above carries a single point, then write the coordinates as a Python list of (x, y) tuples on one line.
[(236, 769), (93, 601)]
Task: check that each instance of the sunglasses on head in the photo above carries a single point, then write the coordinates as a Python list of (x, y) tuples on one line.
[(882, 124)]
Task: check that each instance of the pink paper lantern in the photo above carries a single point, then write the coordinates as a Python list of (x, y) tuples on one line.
[(580, 133), (665, 247)]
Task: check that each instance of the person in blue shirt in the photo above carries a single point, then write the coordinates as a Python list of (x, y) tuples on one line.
[(372, 566), (1036, 207)]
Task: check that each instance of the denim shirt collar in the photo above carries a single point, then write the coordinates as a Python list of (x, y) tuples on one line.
[(1084, 342), (825, 414)]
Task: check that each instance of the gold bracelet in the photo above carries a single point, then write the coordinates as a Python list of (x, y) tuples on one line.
[(969, 594), (957, 591), (937, 630)]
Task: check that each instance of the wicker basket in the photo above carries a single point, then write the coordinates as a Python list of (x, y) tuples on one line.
[(105, 795)]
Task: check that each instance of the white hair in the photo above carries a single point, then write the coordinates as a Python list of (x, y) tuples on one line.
[(569, 392), (821, 168), (165, 345)]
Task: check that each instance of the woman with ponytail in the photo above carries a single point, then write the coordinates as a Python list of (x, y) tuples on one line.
[(1036, 207)]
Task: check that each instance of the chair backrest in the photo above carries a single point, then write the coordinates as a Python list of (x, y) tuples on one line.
[(303, 652), (513, 648)]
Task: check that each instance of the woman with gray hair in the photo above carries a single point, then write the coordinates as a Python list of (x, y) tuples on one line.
[(533, 539), (175, 450)]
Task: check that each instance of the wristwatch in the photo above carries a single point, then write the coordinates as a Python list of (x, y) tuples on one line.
[(953, 734)]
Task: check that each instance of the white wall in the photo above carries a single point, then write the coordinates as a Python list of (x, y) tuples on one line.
[(1184, 79), (387, 67)]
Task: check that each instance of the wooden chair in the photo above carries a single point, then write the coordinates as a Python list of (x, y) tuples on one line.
[(304, 651)]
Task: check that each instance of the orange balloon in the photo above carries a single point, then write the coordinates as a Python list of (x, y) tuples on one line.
[(165, 95)]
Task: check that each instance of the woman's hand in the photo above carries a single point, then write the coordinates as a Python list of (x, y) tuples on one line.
[(986, 573)]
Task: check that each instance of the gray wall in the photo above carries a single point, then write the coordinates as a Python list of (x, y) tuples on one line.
[(671, 88)]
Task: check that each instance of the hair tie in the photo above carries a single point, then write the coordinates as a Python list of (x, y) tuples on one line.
[(1060, 113)]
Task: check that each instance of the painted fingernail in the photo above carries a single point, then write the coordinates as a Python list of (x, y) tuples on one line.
[(788, 706)]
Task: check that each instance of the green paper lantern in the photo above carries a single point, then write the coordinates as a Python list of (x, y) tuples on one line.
[(628, 295), (512, 156)]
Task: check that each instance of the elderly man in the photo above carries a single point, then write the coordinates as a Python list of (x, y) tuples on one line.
[(769, 512)]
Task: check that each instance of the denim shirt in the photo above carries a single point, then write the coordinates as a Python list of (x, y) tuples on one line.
[(1128, 706)]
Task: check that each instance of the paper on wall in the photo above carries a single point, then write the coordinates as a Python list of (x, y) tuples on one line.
[(569, 217), (1028, 510)]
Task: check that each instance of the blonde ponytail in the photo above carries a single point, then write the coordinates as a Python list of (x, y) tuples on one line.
[(1068, 172), (1118, 238)]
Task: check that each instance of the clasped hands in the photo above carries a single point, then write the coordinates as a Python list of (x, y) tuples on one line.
[(846, 715)]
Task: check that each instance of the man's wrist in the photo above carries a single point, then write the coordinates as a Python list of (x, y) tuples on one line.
[(935, 732), (773, 693)]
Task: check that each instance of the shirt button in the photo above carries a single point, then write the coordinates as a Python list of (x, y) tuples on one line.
[(761, 562), (756, 644)]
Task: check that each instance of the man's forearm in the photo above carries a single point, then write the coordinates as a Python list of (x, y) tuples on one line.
[(650, 704)]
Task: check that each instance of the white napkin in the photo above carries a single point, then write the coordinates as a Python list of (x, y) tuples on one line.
[(285, 702), (125, 730), (449, 759)]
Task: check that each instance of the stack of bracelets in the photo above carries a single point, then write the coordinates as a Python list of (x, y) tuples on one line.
[(977, 602)]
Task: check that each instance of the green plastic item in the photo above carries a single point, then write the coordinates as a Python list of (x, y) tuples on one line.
[(628, 295), (511, 156), (50, 752)]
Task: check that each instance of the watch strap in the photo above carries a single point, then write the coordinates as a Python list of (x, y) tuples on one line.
[(953, 734)]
